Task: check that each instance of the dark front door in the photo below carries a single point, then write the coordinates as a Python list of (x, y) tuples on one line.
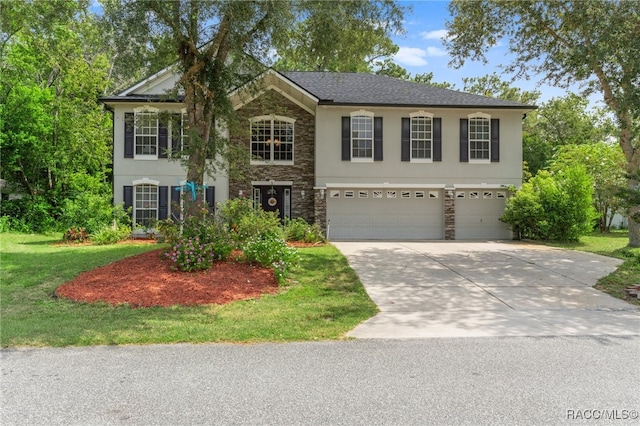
[(274, 199)]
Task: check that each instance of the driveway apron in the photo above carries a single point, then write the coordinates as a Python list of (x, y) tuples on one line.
[(474, 289)]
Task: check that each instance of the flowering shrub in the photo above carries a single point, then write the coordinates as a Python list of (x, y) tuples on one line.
[(299, 230), (191, 254), (271, 252), (246, 222)]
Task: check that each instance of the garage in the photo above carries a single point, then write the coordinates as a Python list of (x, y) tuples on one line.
[(477, 214), (385, 213)]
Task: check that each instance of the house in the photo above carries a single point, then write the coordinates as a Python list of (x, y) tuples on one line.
[(364, 156)]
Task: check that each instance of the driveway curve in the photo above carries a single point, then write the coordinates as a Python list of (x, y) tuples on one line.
[(495, 288)]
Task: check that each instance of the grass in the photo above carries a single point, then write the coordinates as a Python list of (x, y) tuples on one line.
[(324, 300), (614, 244)]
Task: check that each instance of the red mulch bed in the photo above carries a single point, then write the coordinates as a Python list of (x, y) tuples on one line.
[(147, 280)]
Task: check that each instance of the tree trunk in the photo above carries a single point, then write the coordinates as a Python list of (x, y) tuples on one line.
[(634, 215)]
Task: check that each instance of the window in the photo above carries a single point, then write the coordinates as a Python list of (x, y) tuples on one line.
[(421, 136), (272, 139), (145, 205), (146, 133), (479, 138), (362, 137)]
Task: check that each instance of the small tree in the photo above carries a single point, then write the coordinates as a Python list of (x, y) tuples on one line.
[(605, 163), (553, 206)]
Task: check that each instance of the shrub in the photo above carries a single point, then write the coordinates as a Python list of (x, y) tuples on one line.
[(87, 210), (246, 222), (191, 254), (271, 252), (75, 234), (299, 230), (30, 214), (111, 234), (553, 207)]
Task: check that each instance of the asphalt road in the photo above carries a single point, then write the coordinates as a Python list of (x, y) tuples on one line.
[(492, 380)]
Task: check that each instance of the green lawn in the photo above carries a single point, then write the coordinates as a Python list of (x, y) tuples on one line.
[(613, 244), (324, 300)]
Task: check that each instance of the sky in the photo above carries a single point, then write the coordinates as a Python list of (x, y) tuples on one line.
[(421, 51)]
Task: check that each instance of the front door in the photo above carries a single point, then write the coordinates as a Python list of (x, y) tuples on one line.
[(273, 199)]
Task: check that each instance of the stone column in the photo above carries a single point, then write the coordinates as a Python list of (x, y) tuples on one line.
[(320, 209), (449, 214)]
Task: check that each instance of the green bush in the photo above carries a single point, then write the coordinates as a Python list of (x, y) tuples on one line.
[(554, 207), (110, 234), (271, 252), (191, 254), (299, 230), (246, 222), (30, 214)]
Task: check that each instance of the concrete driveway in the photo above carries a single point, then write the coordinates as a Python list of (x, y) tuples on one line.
[(472, 289)]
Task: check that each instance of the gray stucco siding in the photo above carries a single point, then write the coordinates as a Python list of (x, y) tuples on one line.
[(449, 171)]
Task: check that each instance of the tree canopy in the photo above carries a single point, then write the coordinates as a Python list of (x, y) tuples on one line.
[(220, 43), (591, 42)]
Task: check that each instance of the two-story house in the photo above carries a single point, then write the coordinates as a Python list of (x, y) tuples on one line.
[(365, 156)]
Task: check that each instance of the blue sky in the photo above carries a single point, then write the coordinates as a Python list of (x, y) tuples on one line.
[(421, 51)]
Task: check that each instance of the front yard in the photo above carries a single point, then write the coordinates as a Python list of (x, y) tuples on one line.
[(324, 300)]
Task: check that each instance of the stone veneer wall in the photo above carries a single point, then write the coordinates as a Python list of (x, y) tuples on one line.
[(302, 172), (321, 209), (449, 214)]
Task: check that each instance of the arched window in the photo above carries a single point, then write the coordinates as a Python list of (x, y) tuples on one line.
[(272, 139)]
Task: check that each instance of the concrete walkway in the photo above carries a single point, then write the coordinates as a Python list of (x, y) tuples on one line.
[(475, 289)]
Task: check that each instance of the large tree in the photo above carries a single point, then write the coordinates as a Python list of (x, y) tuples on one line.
[(590, 42), (220, 43), (52, 128)]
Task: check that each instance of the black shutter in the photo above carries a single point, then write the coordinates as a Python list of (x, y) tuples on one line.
[(495, 140), (437, 139), (346, 138), (176, 134), (464, 140), (163, 139), (163, 202), (377, 138), (175, 203), (405, 140), (211, 197), (129, 127), (128, 198)]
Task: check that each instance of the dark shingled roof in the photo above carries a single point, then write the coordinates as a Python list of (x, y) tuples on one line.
[(370, 89)]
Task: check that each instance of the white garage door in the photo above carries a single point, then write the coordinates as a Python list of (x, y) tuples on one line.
[(384, 214), (478, 212)]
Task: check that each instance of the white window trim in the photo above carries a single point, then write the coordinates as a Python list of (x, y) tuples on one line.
[(411, 117), (136, 185), (183, 119), (473, 160), (362, 113), (272, 118), (136, 111)]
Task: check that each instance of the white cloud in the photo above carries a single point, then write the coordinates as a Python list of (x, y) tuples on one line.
[(411, 56), (436, 51), (434, 35)]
